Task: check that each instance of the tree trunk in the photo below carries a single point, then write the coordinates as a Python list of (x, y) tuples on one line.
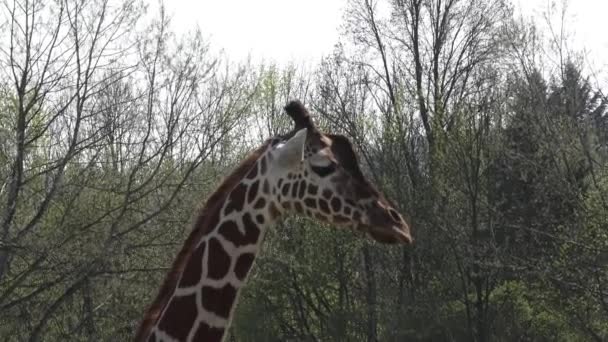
[(370, 295)]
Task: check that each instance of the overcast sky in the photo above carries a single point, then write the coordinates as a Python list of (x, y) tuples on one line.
[(285, 30)]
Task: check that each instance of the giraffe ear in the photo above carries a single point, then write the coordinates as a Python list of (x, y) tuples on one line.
[(292, 152)]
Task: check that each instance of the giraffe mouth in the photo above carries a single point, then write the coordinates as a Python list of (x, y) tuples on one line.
[(389, 235), (402, 234), (392, 234)]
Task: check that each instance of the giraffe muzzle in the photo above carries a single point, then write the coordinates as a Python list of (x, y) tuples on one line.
[(387, 226), (391, 235)]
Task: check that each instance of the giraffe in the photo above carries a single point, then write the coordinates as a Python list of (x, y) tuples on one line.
[(305, 172)]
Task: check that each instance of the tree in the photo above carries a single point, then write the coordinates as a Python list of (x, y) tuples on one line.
[(109, 129)]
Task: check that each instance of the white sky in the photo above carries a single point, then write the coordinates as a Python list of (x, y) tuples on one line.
[(279, 30), (304, 31), (586, 28)]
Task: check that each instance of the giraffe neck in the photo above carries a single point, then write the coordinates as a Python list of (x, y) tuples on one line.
[(200, 305)]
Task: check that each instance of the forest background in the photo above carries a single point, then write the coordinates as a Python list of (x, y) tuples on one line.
[(490, 134)]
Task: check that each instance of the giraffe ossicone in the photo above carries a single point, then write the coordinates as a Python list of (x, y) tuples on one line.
[(305, 172)]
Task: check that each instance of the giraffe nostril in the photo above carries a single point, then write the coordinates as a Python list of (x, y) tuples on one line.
[(394, 215)]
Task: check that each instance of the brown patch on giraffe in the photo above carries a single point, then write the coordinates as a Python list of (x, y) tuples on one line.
[(310, 202), (312, 189), (179, 317), (274, 212), (208, 334), (294, 190), (253, 191), (323, 206), (152, 337), (285, 189), (302, 189), (287, 205), (231, 232), (259, 218), (336, 204), (218, 261), (266, 187), (327, 193), (299, 207), (236, 200), (219, 301), (252, 231), (205, 220), (260, 203), (243, 265), (346, 210), (194, 268)]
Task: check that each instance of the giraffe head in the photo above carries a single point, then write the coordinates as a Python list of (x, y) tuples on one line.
[(318, 175)]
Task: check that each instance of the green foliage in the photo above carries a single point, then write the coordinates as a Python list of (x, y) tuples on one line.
[(506, 191)]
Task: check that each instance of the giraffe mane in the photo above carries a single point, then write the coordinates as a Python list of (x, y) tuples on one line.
[(203, 223)]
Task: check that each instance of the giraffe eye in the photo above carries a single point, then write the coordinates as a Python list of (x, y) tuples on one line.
[(323, 170)]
